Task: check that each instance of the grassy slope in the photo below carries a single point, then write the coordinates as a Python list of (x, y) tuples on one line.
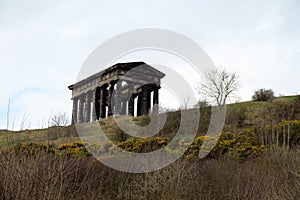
[(274, 175), (254, 108), (58, 135)]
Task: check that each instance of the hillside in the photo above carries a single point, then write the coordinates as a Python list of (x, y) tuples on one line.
[(255, 157), (239, 116)]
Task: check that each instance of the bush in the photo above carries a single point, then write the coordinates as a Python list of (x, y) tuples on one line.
[(243, 145), (274, 175), (143, 144), (263, 95), (76, 149), (30, 149)]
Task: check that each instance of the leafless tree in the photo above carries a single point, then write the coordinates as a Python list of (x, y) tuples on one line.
[(219, 85), (185, 102), (60, 119)]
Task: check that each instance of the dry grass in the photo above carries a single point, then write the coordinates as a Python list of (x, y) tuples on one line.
[(274, 175)]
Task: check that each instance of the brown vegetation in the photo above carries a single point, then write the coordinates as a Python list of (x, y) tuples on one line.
[(274, 175), (41, 165)]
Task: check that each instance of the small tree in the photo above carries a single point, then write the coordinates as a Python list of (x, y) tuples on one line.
[(60, 119), (263, 95), (202, 103), (219, 85)]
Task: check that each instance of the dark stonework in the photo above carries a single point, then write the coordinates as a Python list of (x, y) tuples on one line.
[(87, 110), (148, 100), (139, 104), (80, 110), (155, 96), (131, 106), (111, 99), (103, 97), (75, 110), (96, 101), (123, 108), (94, 116), (95, 93), (117, 99), (144, 102)]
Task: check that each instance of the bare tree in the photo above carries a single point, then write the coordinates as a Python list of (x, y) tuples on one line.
[(219, 85), (60, 119), (185, 102)]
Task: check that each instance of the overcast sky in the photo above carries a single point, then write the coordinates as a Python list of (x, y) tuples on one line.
[(44, 43)]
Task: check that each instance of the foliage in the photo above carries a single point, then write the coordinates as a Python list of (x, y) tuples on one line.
[(247, 145), (202, 104), (273, 175), (269, 149), (142, 144), (76, 149), (263, 95), (285, 133), (243, 145), (236, 116), (32, 149)]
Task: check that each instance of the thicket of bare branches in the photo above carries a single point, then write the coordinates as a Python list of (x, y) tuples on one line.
[(46, 177), (60, 119), (273, 114)]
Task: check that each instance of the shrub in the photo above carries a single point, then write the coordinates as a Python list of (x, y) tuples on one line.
[(26, 149), (247, 145), (286, 133), (263, 95), (75, 149), (142, 144), (236, 116), (293, 127), (242, 145), (274, 175)]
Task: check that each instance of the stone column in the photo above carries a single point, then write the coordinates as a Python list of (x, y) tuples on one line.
[(131, 99), (95, 109), (80, 109), (148, 100), (103, 95), (110, 99), (155, 99), (131, 105), (97, 103), (74, 111), (117, 98), (155, 96), (145, 100), (139, 104), (87, 110), (124, 107)]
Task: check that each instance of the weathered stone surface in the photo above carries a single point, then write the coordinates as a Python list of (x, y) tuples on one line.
[(114, 90)]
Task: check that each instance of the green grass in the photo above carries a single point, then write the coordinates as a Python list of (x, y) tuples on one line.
[(273, 175), (68, 134), (292, 97), (255, 108)]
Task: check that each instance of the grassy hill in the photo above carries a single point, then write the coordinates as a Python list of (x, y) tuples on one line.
[(256, 157), (250, 112)]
